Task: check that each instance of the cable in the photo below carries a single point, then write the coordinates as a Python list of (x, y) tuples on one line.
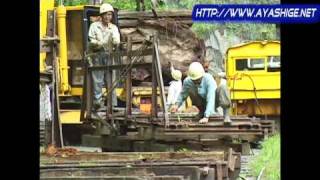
[(255, 94), (254, 91)]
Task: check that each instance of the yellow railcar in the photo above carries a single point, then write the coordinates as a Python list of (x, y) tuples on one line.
[(253, 72)]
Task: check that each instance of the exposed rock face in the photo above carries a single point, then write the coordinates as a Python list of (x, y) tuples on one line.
[(177, 44)]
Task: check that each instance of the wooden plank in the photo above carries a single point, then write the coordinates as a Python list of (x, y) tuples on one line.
[(94, 164), (125, 23), (219, 172), (231, 160), (127, 177), (187, 21), (171, 13), (134, 22), (189, 172), (154, 111), (120, 66), (144, 52), (207, 130), (113, 157)]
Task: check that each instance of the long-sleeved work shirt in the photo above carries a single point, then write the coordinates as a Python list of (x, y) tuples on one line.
[(206, 90), (102, 35), (174, 91)]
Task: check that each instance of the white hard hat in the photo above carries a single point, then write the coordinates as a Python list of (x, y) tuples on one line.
[(222, 74), (176, 74), (195, 71), (106, 8)]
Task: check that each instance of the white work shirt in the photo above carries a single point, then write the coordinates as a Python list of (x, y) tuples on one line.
[(223, 82), (99, 34), (174, 91)]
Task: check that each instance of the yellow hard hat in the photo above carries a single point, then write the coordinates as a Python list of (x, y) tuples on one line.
[(106, 8), (195, 71), (176, 74)]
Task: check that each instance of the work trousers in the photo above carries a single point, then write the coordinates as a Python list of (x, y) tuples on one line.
[(99, 78)]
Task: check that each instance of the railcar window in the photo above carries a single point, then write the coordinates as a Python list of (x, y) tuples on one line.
[(256, 64), (274, 63), (250, 64), (241, 64)]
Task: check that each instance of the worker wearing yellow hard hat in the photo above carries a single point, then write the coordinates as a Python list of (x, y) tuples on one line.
[(103, 36), (174, 87)]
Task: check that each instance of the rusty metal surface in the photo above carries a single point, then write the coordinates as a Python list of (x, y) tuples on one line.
[(49, 44), (128, 83), (188, 165), (187, 128)]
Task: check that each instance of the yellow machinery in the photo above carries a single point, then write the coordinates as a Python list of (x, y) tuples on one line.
[(45, 6), (72, 25), (253, 72)]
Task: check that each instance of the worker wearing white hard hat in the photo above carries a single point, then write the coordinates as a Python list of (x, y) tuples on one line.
[(201, 87), (174, 87), (106, 8), (103, 37)]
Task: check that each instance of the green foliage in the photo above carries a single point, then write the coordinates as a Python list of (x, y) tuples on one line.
[(76, 2), (72, 2), (269, 158), (127, 5), (256, 31)]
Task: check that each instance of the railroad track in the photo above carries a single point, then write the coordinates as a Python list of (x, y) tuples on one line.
[(216, 165)]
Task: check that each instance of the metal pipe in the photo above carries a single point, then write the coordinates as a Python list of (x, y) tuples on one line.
[(61, 16)]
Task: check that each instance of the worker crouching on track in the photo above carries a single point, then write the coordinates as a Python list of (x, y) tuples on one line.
[(201, 87), (205, 92), (103, 36), (175, 87)]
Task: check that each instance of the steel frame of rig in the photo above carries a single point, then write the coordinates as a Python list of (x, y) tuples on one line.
[(158, 131)]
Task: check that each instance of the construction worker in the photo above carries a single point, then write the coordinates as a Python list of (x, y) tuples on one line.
[(201, 87), (103, 37), (175, 87), (223, 95)]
